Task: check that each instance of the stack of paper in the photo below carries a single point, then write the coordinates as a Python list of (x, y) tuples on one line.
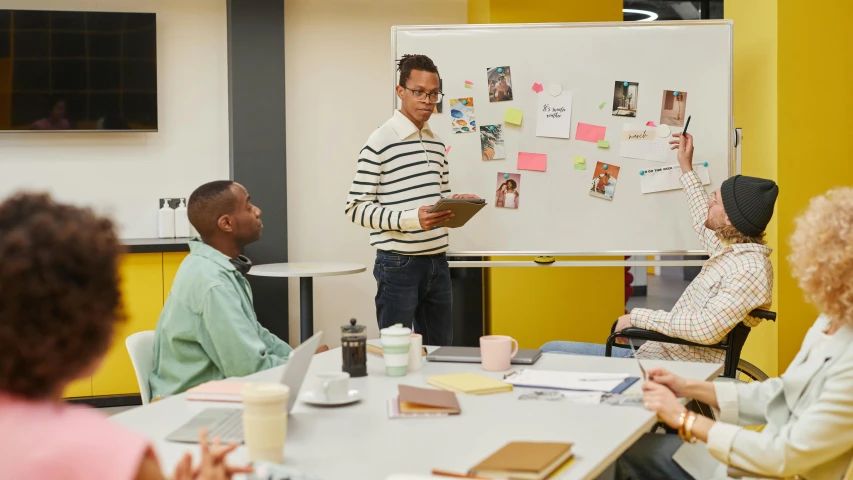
[(217, 391), (427, 400), (469, 383), (524, 461)]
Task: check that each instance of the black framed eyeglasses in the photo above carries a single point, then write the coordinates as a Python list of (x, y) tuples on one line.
[(421, 95)]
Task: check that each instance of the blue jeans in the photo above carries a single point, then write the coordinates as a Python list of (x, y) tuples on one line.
[(651, 457), (580, 348), (415, 290)]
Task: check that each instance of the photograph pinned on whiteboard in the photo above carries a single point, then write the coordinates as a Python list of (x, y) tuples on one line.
[(506, 194), (625, 97), (492, 142), (672, 108), (604, 179), (437, 108), (462, 115), (499, 80)]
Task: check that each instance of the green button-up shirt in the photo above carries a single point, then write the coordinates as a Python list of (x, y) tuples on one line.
[(208, 329)]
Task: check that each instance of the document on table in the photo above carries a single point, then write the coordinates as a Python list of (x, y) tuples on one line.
[(580, 381), (668, 178)]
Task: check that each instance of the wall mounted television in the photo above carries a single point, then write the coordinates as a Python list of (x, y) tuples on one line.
[(63, 71)]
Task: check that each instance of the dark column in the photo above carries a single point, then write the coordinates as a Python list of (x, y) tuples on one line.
[(256, 91)]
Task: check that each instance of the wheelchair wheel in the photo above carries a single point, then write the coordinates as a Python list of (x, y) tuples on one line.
[(747, 372)]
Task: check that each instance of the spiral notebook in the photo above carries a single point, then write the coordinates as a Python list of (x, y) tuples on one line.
[(578, 381)]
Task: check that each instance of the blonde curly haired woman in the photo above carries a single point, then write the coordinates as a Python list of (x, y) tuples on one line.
[(807, 412)]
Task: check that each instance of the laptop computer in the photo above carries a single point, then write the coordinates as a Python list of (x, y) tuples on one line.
[(227, 423), (472, 355)]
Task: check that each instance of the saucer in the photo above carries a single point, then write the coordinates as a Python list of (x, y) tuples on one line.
[(314, 399)]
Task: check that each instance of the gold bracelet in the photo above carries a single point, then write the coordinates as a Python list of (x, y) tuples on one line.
[(688, 428), (681, 419)]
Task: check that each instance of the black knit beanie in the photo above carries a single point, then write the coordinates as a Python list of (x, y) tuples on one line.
[(749, 203)]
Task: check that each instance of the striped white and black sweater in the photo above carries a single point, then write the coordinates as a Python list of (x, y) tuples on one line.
[(399, 170)]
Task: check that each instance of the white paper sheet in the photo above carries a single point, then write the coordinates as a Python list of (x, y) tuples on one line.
[(640, 141), (591, 382), (555, 116), (668, 178)]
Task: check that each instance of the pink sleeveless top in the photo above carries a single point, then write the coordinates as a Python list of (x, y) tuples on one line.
[(40, 439)]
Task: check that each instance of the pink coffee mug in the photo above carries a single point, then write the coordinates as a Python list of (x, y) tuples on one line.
[(497, 352)]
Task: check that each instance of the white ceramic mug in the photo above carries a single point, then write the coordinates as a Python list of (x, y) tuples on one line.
[(332, 387), (265, 420)]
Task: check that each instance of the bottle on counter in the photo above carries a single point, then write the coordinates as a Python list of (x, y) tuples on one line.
[(182, 222), (166, 219)]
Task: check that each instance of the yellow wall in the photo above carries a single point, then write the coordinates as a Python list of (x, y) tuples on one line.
[(815, 46), (514, 11), (535, 305), (755, 111)]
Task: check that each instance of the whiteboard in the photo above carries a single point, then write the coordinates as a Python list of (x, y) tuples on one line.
[(556, 214)]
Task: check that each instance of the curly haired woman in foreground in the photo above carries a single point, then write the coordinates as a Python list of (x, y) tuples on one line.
[(59, 298), (807, 413)]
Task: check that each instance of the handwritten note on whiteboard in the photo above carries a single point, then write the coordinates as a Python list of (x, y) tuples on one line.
[(668, 178), (644, 143), (555, 116)]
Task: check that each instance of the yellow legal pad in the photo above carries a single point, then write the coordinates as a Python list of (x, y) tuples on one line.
[(469, 383)]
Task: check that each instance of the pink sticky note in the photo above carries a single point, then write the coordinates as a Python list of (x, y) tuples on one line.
[(590, 133), (650, 124), (469, 82), (532, 161), (447, 150), (537, 87)]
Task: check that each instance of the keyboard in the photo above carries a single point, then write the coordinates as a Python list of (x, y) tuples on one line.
[(229, 429)]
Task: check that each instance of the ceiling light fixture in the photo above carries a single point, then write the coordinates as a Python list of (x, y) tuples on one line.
[(651, 16)]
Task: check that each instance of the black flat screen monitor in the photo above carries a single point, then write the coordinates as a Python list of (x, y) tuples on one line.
[(66, 71)]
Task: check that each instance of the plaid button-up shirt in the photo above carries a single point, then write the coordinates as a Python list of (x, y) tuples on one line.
[(734, 281)]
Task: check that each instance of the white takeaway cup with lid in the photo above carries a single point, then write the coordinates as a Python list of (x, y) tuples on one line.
[(265, 420), (395, 349)]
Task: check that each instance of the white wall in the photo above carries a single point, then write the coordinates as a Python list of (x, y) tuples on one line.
[(125, 173), (338, 81)]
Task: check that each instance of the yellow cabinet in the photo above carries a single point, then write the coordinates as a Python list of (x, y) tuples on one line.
[(79, 388), (171, 262), (142, 294)]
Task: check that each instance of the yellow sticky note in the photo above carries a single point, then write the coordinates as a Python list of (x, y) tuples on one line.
[(603, 144), (580, 166), (579, 160), (513, 116)]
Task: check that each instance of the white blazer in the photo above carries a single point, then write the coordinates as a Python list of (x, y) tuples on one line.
[(808, 413)]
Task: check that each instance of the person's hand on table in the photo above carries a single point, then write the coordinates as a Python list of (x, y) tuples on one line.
[(669, 380), (660, 399), (213, 465), (621, 324), (321, 349), (465, 196), (684, 145), (432, 220)]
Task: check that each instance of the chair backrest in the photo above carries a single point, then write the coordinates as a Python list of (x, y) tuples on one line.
[(140, 346)]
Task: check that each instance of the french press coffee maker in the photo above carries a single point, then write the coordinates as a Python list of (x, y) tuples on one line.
[(354, 348)]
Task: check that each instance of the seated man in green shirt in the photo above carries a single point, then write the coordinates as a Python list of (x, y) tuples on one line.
[(208, 329)]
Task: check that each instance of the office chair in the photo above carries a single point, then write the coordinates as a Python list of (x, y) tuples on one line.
[(732, 344), (140, 346)]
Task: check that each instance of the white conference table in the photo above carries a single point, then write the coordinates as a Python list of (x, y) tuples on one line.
[(306, 271), (360, 441)]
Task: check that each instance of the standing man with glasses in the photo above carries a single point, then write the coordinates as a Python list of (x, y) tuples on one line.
[(402, 171)]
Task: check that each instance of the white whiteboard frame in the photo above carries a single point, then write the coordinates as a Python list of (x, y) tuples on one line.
[(733, 162)]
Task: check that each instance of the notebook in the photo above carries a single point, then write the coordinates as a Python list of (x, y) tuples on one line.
[(427, 400), (524, 461), (463, 210), (217, 391), (469, 383), (579, 381)]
